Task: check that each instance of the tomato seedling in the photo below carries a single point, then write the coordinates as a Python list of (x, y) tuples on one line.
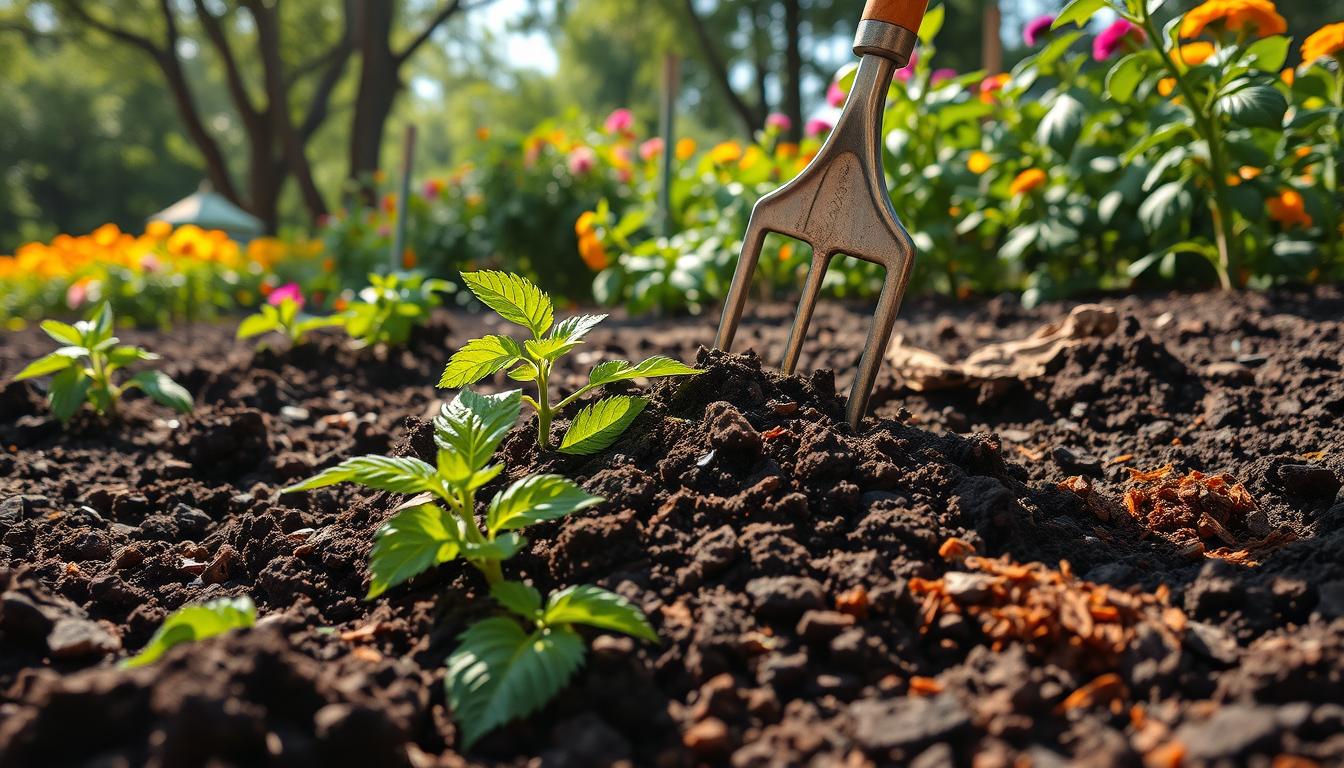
[(196, 622), (391, 306), (82, 369), (520, 302), (287, 318)]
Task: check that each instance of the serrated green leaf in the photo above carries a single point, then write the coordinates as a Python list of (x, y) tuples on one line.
[(479, 358), (1125, 77), (474, 425), (500, 549), (410, 543), (63, 332), (1078, 12), (524, 372), (596, 427), (382, 473), (69, 390), (196, 622), (520, 598), (499, 673), (256, 325), (533, 499), (1254, 106), (159, 386), (656, 366), (595, 607), (573, 329), (48, 364), (1063, 124), (550, 349), (515, 298), (1269, 53), (127, 355)]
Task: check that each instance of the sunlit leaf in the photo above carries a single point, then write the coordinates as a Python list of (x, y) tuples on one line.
[(596, 427), (536, 498), (479, 358), (515, 298), (196, 622), (410, 543), (594, 607)]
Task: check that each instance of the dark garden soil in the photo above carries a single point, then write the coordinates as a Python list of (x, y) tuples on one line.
[(891, 597)]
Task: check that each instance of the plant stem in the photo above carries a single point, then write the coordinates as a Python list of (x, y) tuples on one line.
[(489, 568), (544, 412)]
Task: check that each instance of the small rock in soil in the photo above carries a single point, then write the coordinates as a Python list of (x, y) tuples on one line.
[(821, 626), (708, 738), (1234, 730), (1308, 481), (1075, 463), (73, 638), (785, 597), (907, 723), (730, 432)]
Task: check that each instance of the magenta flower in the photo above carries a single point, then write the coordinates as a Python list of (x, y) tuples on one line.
[(942, 75), (1112, 39), (620, 121), (1038, 29), (818, 127), (908, 71), (581, 160), (433, 188), (287, 292), (835, 95), (651, 149), (778, 121)]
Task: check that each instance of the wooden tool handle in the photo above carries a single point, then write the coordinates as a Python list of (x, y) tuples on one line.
[(903, 13)]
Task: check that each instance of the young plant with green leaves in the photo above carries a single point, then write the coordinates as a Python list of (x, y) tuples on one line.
[(287, 318), (196, 622), (391, 306), (517, 300), (84, 369)]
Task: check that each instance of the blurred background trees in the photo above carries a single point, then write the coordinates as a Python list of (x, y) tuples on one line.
[(117, 108)]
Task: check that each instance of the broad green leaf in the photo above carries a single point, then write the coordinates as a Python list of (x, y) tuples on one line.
[(1078, 12), (474, 425), (69, 390), (520, 598), (595, 607), (597, 426), (1254, 106), (102, 323), (500, 549), (256, 325), (932, 24), (573, 329), (1063, 124), (1108, 206), (1269, 53), (524, 372), (478, 359), (48, 364), (159, 386), (62, 332), (127, 355), (654, 367), (196, 622), (500, 672), (515, 298), (533, 499), (305, 324), (410, 543), (1154, 138), (550, 348), (1125, 77), (382, 473), (1167, 205)]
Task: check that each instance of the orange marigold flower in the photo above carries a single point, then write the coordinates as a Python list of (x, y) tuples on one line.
[(685, 149), (592, 252), (158, 229), (1326, 41), (978, 162), (727, 152), (1259, 16), (1249, 172), (1028, 181), (1288, 76), (1166, 86), (584, 225), (409, 259), (1196, 53), (1289, 209), (786, 150)]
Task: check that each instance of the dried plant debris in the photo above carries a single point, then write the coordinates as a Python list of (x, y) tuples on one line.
[(1059, 617)]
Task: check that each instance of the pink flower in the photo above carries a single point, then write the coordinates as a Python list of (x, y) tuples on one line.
[(942, 75), (433, 188), (76, 293), (651, 149), (581, 160), (620, 121), (817, 127), (149, 263), (1038, 29), (1113, 38), (287, 292), (835, 95), (779, 121), (908, 71)]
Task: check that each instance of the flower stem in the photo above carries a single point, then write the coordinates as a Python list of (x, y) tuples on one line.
[(544, 412)]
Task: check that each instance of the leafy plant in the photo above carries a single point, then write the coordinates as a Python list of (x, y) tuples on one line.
[(83, 369), (196, 622), (520, 302), (285, 315), (503, 669), (391, 306)]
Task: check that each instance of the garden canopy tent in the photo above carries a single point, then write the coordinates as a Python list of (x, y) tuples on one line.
[(208, 209)]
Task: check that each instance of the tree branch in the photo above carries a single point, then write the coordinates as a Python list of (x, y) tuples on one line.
[(113, 31), (232, 74), (750, 119), (445, 13)]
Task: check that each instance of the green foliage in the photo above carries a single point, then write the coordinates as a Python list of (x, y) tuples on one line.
[(287, 319), (196, 622), (82, 370), (519, 301), (391, 306)]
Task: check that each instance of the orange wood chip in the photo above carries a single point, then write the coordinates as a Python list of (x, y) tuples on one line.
[(955, 549), (365, 653), (1122, 459), (362, 634), (1141, 476), (925, 686), (1107, 690), (773, 433), (853, 602)]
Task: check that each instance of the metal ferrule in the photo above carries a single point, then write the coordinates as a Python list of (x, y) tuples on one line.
[(878, 38)]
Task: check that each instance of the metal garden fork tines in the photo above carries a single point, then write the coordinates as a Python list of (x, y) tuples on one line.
[(839, 204)]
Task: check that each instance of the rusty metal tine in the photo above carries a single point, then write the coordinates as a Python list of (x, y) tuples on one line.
[(879, 336), (737, 293), (816, 273)]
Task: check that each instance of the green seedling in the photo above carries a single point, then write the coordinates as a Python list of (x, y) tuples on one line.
[(82, 370), (440, 524), (391, 306), (517, 300), (196, 622), (285, 318), (504, 668)]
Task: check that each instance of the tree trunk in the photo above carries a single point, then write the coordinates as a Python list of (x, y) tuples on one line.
[(719, 70), (793, 68), (378, 85), (992, 47)]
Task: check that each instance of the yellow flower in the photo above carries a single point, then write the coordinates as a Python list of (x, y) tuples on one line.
[(1258, 15), (1289, 209), (725, 153), (1288, 76), (1196, 53), (585, 223), (1166, 86), (1027, 182), (979, 162), (1326, 41), (786, 150), (592, 252), (158, 230), (685, 149)]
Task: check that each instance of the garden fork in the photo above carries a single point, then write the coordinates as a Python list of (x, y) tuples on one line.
[(839, 203)]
